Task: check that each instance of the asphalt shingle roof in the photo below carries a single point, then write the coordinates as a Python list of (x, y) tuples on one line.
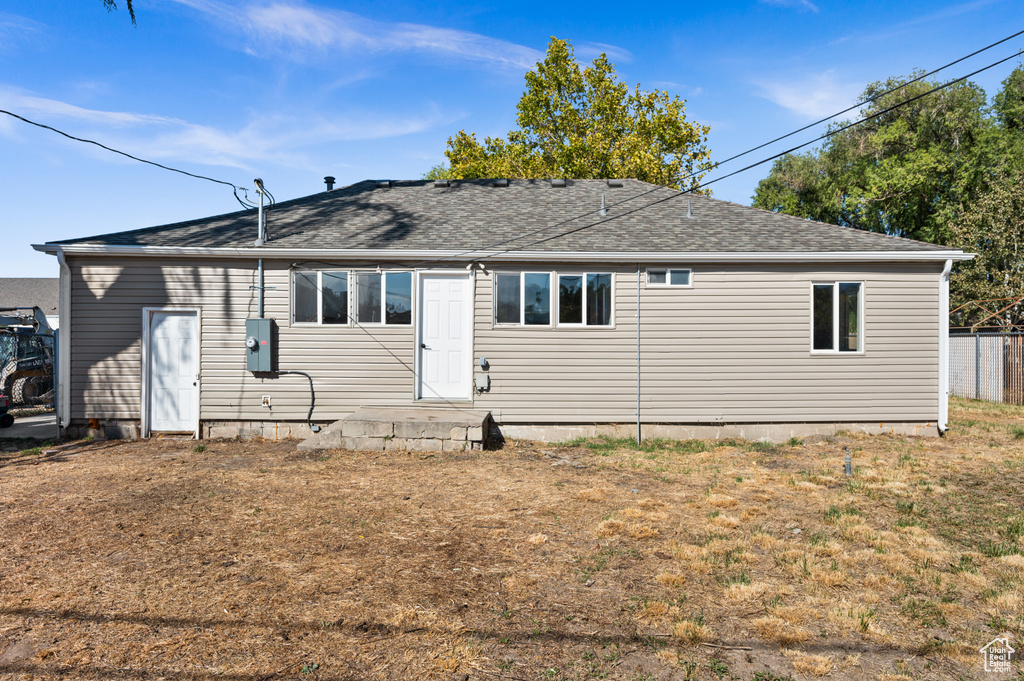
[(30, 292), (529, 215)]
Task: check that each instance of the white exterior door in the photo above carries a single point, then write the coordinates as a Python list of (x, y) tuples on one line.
[(446, 336), (173, 371)]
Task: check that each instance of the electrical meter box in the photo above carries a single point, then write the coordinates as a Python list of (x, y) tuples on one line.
[(259, 344)]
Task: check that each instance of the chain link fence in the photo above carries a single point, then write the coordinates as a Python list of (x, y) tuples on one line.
[(987, 366)]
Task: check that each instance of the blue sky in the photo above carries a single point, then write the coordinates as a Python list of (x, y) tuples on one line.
[(293, 90)]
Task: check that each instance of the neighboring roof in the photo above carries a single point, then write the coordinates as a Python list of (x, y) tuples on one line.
[(30, 292), (525, 215)]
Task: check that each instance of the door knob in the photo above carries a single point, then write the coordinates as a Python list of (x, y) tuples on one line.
[(424, 346)]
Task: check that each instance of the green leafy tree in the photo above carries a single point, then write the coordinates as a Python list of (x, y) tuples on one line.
[(993, 227), (438, 172), (907, 172), (585, 123), (111, 5)]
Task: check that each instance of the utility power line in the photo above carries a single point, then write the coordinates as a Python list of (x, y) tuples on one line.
[(826, 135), (234, 188)]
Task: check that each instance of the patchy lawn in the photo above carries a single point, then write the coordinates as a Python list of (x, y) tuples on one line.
[(594, 559)]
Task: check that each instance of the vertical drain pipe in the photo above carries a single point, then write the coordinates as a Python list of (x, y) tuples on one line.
[(638, 353)]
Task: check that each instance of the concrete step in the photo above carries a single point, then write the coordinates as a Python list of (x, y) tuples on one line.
[(410, 429)]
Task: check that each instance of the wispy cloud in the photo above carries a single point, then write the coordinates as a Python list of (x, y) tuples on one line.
[(587, 51), (16, 29), (302, 30), (942, 15), (281, 139), (805, 5), (813, 97)]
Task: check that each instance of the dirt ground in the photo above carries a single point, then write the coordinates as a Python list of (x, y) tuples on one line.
[(596, 559)]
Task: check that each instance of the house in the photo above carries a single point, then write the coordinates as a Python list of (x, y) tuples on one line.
[(562, 307), (38, 292)]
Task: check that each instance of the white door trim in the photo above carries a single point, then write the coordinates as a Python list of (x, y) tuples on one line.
[(147, 323), (417, 339)]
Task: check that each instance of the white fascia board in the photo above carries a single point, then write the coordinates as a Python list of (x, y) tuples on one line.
[(437, 255)]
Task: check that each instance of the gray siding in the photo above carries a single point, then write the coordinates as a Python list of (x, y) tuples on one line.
[(734, 348)]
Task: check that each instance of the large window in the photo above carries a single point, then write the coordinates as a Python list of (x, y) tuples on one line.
[(383, 298), (837, 317), (527, 299), (320, 297), (522, 298), (585, 299)]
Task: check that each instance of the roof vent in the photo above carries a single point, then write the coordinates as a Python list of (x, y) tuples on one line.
[(499, 183), (614, 183), (440, 183), (329, 181), (383, 184), (689, 212), (557, 183)]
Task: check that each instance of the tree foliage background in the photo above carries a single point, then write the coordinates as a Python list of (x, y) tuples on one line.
[(111, 5), (946, 168), (585, 123)]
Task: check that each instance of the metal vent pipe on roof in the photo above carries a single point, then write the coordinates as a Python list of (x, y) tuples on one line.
[(689, 213), (604, 209), (329, 181)]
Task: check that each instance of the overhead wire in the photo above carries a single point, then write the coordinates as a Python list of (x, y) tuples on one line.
[(486, 255), (744, 153), (870, 100), (234, 188)]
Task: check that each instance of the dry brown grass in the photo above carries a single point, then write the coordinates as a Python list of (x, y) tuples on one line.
[(248, 561), (816, 665)]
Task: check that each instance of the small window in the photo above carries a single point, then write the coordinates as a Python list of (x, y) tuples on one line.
[(384, 298), (585, 299), (522, 299), (668, 277), (320, 297), (836, 317)]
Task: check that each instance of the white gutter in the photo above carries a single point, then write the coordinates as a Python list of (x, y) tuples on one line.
[(944, 346), (63, 387), (454, 255)]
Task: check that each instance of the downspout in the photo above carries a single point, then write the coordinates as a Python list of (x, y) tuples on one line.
[(63, 387), (944, 347), (637, 353)]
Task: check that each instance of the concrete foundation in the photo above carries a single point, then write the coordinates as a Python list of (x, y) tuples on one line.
[(760, 432), (103, 429), (405, 430), (442, 430)]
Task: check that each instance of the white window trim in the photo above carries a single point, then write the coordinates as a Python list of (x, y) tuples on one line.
[(354, 297), (668, 277), (582, 325), (862, 335), (552, 295), (320, 298)]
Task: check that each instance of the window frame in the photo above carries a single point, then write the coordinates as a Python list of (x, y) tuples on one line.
[(354, 298), (668, 277), (522, 299), (320, 297), (586, 299), (861, 332)]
